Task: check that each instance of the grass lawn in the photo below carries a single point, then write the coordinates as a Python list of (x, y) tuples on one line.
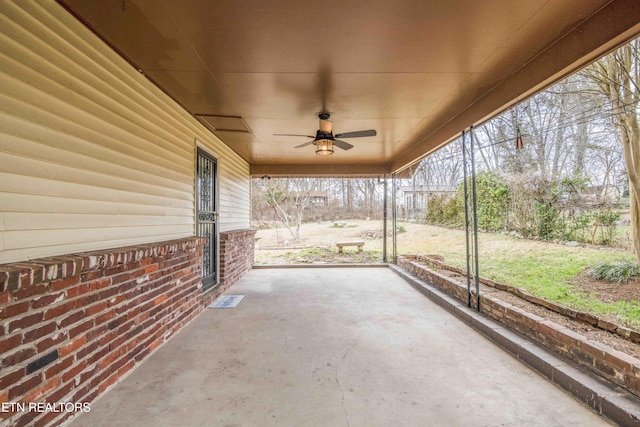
[(544, 269), (547, 270)]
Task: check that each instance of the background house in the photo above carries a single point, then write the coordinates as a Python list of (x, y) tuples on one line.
[(414, 200)]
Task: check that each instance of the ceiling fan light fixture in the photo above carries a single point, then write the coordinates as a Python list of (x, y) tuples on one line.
[(324, 147)]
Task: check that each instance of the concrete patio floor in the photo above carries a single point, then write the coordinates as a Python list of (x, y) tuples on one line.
[(333, 347)]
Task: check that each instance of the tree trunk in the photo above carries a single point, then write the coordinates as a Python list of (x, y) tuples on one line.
[(630, 136)]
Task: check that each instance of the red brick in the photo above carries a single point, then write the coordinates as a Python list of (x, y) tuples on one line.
[(83, 327), (9, 343), (115, 270), (36, 274), (72, 346), (88, 349), (56, 285), (25, 322), (14, 309), (119, 340), (126, 368), (97, 355), (31, 292), (159, 300), (122, 308), (593, 349), (102, 375), (120, 278), (96, 332), (49, 417), (144, 353), (38, 393), (86, 396), (18, 356), (24, 387), (49, 342), (117, 300), (58, 310), (82, 288), (107, 293), (99, 284), (58, 367), (620, 360), (91, 275), (150, 268), (155, 344), (550, 328), (26, 419), (72, 318), (108, 337), (125, 327), (117, 322), (40, 331), (132, 313), (97, 308), (61, 392), (5, 297), (124, 359), (131, 345), (109, 382), (109, 359), (74, 371), (104, 317), (88, 374), (142, 317), (133, 332), (608, 326), (11, 378)]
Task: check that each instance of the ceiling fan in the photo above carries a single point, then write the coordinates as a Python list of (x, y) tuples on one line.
[(324, 140)]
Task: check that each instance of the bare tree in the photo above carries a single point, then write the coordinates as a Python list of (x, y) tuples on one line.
[(288, 198), (617, 76)]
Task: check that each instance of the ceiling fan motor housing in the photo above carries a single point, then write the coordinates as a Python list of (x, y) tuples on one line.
[(323, 135)]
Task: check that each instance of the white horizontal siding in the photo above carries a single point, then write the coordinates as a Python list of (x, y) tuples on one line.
[(92, 154)]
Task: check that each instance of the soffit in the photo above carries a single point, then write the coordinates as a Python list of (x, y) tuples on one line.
[(416, 71)]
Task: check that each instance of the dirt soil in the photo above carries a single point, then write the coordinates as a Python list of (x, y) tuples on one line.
[(609, 291)]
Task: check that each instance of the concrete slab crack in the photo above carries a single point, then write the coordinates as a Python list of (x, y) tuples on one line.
[(337, 377)]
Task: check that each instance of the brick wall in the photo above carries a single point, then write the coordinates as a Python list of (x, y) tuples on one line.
[(71, 326), (237, 255), (602, 360)]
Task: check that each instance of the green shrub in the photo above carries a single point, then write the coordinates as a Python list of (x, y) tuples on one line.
[(618, 271), (445, 210), (492, 198), (607, 220), (579, 227)]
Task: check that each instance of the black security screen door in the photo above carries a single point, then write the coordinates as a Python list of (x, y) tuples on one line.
[(207, 216)]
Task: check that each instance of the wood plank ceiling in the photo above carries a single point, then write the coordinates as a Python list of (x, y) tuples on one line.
[(416, 71)]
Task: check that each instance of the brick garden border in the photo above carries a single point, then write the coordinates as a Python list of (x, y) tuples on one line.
[(581, 316), (610, 364)]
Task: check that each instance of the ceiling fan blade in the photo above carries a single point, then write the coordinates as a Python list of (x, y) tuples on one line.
[(342, 144), (289, 134), (357, 134), (304, 145)]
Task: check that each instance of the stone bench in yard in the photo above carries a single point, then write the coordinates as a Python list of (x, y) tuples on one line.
[(341, 245)]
